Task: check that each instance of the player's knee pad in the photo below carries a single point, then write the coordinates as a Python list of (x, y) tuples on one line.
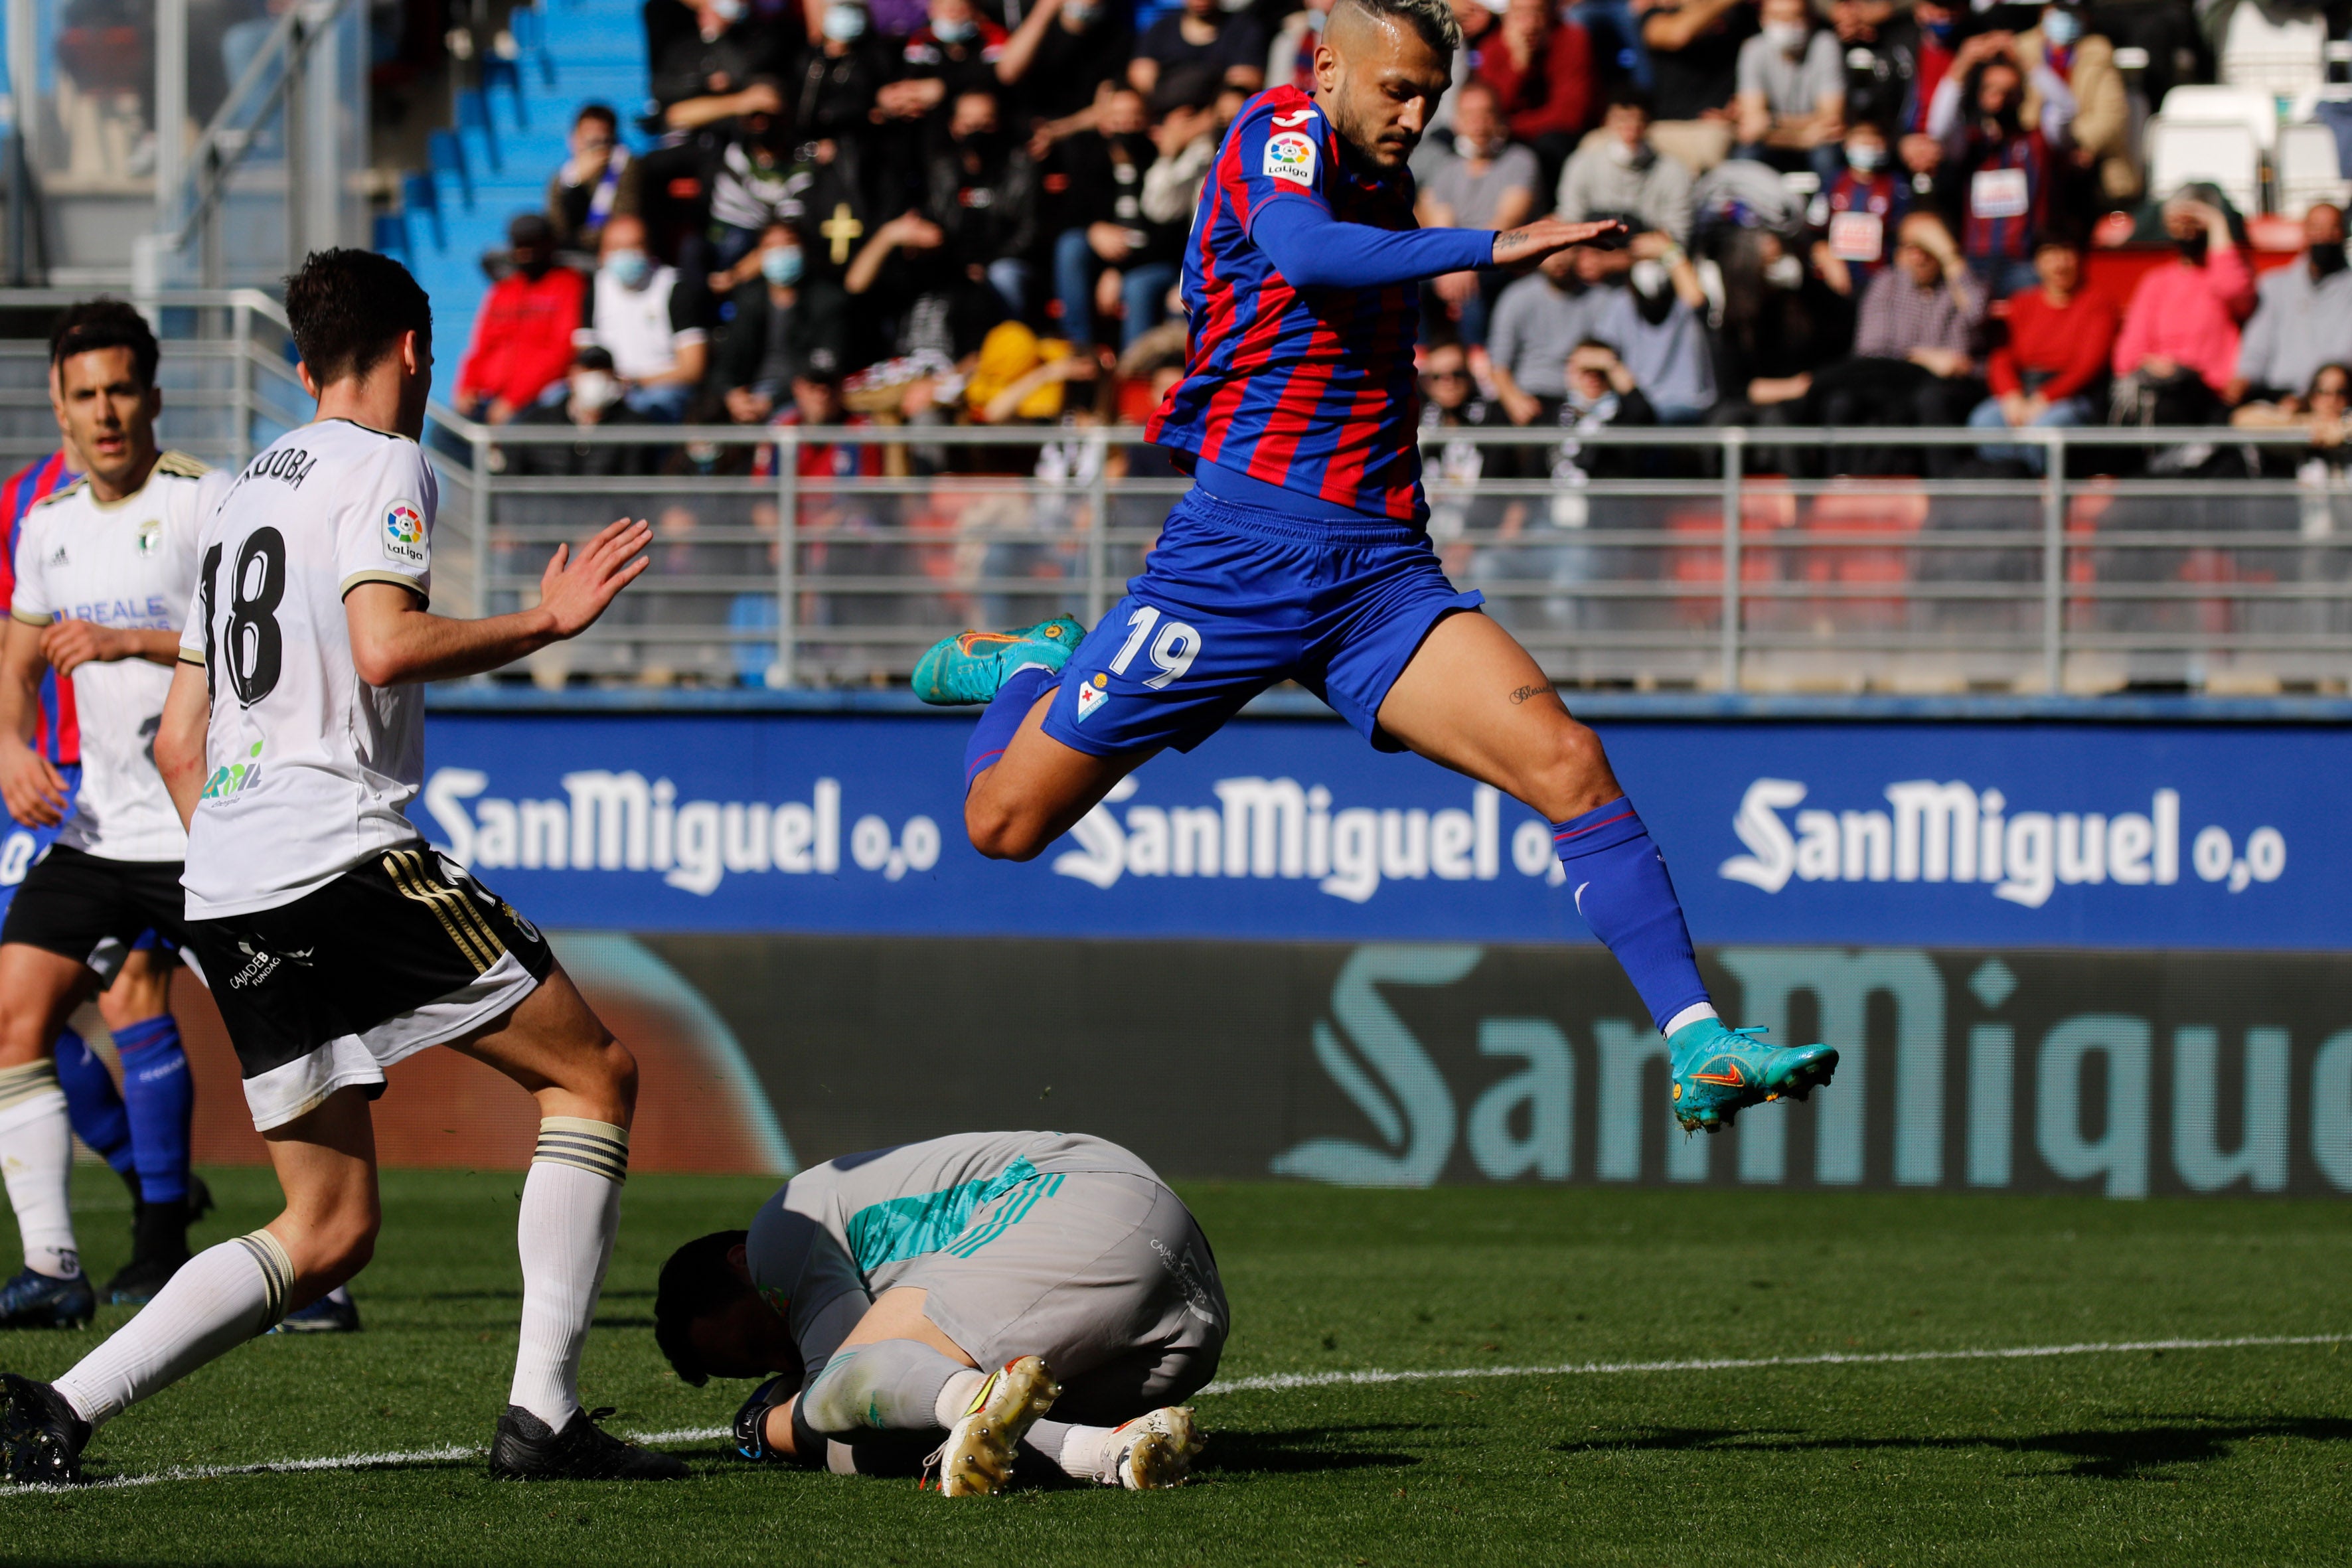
[(889, 1384)]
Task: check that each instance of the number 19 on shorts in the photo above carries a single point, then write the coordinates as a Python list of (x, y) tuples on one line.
[(1172, 650)]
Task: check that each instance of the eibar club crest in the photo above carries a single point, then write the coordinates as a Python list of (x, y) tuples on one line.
[(1090, 697)]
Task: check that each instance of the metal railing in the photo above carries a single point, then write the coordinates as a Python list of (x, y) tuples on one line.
[(1651, 559)]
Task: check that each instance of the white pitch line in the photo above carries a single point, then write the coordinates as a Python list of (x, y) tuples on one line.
[(1283, 1381), (1290, 1380)]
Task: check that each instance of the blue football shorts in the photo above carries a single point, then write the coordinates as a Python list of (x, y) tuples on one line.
[(1234, 599)]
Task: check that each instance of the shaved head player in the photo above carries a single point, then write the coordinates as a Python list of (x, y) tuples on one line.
[(1301, 551)]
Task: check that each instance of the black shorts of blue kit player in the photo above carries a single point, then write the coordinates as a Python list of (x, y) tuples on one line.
[(93, 910), (402, 951)]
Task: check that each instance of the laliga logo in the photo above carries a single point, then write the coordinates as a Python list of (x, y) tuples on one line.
[(1290, 155)]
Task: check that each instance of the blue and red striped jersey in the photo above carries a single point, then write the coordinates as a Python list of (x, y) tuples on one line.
[(1312, 390), (2008, 195), (57, 733)]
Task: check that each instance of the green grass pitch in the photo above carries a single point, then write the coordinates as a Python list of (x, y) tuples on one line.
[(2206, 1455)]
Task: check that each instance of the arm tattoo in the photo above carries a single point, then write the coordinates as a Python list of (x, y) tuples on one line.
[(1524, 693)]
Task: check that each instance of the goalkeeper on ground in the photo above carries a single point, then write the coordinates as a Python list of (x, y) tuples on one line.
[(964, 1286)]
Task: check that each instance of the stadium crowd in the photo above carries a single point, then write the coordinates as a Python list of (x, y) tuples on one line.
[(929, 210)]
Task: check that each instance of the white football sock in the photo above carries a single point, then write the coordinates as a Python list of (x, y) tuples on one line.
[(1083, 1452), (955, 1397), (220, 1298), (36, 1158), (571, 1211)]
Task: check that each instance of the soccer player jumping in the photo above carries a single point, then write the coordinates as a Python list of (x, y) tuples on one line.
[(1301, 551)]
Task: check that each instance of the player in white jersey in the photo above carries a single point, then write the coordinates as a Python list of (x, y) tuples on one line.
[(336, 940), (103, 573)]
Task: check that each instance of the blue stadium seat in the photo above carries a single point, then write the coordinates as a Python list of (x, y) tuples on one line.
[(392, 234), (417, 195), (474, 118), (446, 155)]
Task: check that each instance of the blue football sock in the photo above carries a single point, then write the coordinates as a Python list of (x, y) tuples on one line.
[(161, 1098), (1625, 895), (93, 1104), (1002, 716)]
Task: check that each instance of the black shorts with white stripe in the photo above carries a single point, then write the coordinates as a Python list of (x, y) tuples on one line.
[(386, 938)]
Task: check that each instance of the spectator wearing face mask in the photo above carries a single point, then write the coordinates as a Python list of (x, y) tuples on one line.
[(1201, 33), (983, 196), (1112, 253), (1537, 325), (2100, 135), (2054, 364), (522, 333), (1061, 63), (1544, 540), (1866, 205), (1488, 181), (840, 73), (2178, 351), (1621, 170), (713, 70), (2001, 149), (587, 189), (956, 52), (2302, 320), (648, 322), (1656, 322), (772, 321), (1882, 61), (1915, 339), (592, 399), (1540, 67), (754, 185), (1791, 108)]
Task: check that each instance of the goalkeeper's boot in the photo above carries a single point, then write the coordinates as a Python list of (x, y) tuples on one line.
[(333, 1313), (977, 1457), (37, 1301), (970, 666), (1155, 1451), (1718, 1072), (525, 1450), (41, 1438)]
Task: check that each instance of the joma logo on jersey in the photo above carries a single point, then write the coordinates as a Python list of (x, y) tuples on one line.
[(1290, 155), (289, 463)]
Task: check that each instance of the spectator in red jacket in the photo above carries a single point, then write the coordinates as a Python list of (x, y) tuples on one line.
[(1540, 66), (522, 334), (2052, 368)]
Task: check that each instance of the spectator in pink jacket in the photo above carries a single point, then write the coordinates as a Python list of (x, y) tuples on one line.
[(2179, 347)]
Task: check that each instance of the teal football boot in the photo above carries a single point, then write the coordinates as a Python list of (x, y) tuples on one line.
[(1719, 1072), (970, 666)]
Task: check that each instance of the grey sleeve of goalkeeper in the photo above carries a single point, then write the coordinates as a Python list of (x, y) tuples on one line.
[(891, 1386)]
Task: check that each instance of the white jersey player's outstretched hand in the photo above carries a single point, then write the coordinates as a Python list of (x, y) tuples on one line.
[(574, 592)]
